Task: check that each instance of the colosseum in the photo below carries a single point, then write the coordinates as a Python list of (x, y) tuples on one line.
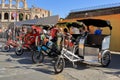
[(17, 10)]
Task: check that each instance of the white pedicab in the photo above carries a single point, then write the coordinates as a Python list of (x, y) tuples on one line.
[(90, 48)]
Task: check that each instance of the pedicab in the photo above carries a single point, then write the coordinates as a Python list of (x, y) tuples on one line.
[(28, 41), (11, 41), (90, 47), (45, 47), (9, 44)]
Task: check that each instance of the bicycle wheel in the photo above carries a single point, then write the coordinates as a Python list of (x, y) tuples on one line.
[(5, 48), (106, 59), (18, 51), (37, 57), (59, 65)]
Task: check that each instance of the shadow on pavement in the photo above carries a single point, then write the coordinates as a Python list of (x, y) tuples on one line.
[(115, 64), (46, 71), (25, 61), (25, 58), (115, 61), (47, 66), (78, 65), (25, 54), (117, 73)]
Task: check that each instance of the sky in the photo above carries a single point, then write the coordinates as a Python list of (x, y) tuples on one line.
[(64, 7)]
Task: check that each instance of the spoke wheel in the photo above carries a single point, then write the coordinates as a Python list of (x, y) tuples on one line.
[(18, 51), (59, 65), (37, 57), (5, 48), (106, 59)]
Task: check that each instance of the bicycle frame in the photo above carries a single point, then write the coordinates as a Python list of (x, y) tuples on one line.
[(96, 45), (70, 55), (47, 49)]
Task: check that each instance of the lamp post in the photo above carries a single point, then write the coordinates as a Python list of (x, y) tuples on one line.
[(14, 14)]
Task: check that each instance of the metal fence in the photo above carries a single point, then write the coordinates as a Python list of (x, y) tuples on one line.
[(97, 7)]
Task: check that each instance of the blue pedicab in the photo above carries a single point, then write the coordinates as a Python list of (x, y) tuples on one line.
[(90, 48), (45, 48)]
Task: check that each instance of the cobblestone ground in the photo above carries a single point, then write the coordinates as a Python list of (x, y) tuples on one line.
[(14, 67)]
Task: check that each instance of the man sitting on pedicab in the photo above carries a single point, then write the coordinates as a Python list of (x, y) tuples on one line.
[(68, 39), (29, 38), (53, 33)]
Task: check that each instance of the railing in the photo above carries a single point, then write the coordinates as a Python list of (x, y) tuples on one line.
[(97, 7)]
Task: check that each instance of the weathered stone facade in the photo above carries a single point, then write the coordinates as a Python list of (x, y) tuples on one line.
[(17, 10), (111, 13), (94, 12)]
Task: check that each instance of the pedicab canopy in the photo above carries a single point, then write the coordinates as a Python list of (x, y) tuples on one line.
[(71, 24), (68, 25), (96, 22)]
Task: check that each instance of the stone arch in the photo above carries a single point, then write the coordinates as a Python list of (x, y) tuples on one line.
[(43, 15), (14, 3), (0, 1), (22, 1), (12, 18), (0, 16), (7, 1), (21, 4), (36, 17), (27, 16), (6, 16), (21, 16)]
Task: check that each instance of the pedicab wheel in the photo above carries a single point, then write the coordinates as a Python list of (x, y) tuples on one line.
[(106, 59), (5, 48), (59, 65), (37, 57), (18, 51)]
